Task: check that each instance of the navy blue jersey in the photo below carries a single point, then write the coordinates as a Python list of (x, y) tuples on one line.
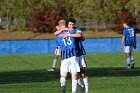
[(78, 42), (129, 34), (68, 47)]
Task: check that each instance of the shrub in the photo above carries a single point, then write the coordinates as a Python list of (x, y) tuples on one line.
[(46, 20)]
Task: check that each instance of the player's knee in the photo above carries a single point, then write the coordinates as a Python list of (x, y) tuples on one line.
[(74, 75), (64, 75)]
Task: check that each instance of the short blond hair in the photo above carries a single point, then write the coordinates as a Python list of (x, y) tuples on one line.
[(62, 22)]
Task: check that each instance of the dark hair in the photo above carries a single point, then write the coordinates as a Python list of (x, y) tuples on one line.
[(70, 20), (127, 22)]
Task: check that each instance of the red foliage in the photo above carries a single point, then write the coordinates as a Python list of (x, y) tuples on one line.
[(46, 20), (36, 21), (122, 17)]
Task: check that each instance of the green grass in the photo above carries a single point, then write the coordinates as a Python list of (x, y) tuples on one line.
[(106, 71)]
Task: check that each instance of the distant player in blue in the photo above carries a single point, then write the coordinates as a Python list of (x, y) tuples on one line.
[(129, 42), (77, 34), (69, 62)]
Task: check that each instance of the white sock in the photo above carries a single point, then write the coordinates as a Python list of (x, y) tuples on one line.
[(74, 86), (62, 81), (128, 61), (80, 83), (132, 59), (54, 63), (85, 80)]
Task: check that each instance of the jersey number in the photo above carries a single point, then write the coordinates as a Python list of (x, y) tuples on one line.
[(131, 31), (67, 41)]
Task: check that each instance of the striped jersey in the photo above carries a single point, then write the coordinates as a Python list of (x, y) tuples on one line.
[(129, 34), (78, 42), (68, 47)]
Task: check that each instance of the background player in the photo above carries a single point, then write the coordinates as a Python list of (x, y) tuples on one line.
[(129, 42)]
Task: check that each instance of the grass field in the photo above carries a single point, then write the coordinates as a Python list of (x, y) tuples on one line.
[(107, 74)]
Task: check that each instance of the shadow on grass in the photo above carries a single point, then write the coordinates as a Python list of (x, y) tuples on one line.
[(112, 72), (45, 76), (28, 76)]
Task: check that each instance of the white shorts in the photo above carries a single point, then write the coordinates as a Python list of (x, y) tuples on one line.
[(82, 61), (57, 52), (128, 49), (69, 65)]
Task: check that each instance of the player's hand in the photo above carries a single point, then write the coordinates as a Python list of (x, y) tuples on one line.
[(64, 35), (135, 46), (121, 46), (57, 27), (82, 38)]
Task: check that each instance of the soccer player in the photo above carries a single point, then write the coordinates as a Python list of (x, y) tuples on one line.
[(129, 42), (69, 61), (76, 33), (56, 54)]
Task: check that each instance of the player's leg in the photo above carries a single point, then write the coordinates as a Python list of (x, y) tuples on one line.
[(85, 78), (128, 59), (83, 66), (74, 69), (80, 83), (63, 82), (64, 68), (56, 56), (74, 81), (55, 62), (132, 59)]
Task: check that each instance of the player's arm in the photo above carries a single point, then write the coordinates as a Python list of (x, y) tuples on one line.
[(123, 40), (71, 35), (58, 45), (78, 34), (59, 31), (82, 38)]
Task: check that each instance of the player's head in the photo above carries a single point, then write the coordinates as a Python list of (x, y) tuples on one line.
[(62, 23), (71, 23), (126, 24)]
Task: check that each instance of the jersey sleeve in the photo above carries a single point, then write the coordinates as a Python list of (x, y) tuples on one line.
[(57, 43), (124, 32), (78, 30)]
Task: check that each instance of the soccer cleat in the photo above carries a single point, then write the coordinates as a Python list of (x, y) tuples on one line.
[(63, 88), (128, 67), (132, 65), (51, 70), (82, 89)]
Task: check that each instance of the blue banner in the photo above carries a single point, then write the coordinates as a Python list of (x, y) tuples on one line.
[(48, 46)]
